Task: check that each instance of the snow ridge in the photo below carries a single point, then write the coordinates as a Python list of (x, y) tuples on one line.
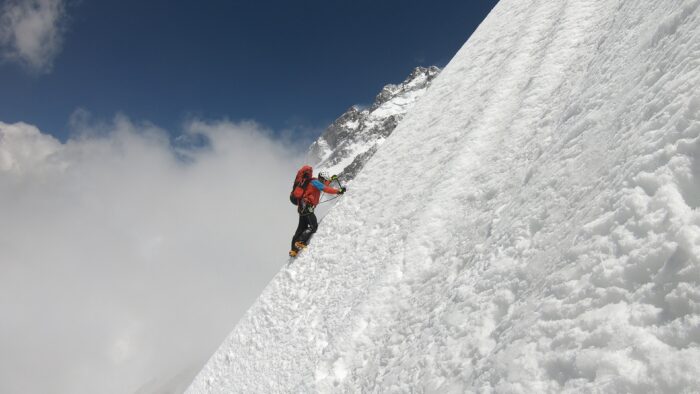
[(351, 140), (541, 232)]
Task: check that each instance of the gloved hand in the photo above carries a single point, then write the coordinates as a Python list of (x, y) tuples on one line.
[(334, 178), (342, 190)]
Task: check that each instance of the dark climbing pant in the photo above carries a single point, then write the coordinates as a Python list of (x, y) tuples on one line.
[(306, 228)]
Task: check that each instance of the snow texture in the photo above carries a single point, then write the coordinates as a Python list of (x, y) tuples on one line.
[(531, 225)]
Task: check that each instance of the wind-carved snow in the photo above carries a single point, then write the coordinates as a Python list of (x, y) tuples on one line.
[(531, 225), (352, 139)]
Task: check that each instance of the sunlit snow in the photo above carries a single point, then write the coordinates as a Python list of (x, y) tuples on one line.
[(531, 225)]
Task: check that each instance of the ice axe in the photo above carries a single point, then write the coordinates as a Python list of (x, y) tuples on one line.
[(337, 180)]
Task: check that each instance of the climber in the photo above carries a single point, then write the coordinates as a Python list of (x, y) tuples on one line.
[(306, 204)]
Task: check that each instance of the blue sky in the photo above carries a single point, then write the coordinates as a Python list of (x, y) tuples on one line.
[(288, 65)]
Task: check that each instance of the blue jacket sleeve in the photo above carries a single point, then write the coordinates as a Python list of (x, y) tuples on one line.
[(322, 187), (318, 184)]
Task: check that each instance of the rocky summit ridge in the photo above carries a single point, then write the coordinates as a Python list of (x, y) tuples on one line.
[(351, 140)]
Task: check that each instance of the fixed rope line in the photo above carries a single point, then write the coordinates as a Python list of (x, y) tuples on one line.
[(331, 199)]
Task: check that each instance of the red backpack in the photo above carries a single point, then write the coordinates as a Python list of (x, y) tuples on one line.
[(300, 182)]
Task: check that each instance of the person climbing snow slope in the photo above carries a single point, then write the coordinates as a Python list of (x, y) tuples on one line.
[(308, 224)]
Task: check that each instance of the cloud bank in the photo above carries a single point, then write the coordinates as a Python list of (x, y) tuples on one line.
[(126, 259), (31, 32)]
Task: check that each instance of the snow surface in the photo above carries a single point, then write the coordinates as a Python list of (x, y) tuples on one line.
[(531, 225)]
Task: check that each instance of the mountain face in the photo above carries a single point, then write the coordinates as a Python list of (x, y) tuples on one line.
[(541, 231), (349, 142)]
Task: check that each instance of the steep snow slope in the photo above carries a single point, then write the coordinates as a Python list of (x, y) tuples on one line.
[(350, 141), (531, 225)]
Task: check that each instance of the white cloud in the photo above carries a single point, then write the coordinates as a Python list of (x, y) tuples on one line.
[(123, 266), (31, 32)]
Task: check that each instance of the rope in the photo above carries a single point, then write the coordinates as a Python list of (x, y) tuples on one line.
[(331, 199)]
